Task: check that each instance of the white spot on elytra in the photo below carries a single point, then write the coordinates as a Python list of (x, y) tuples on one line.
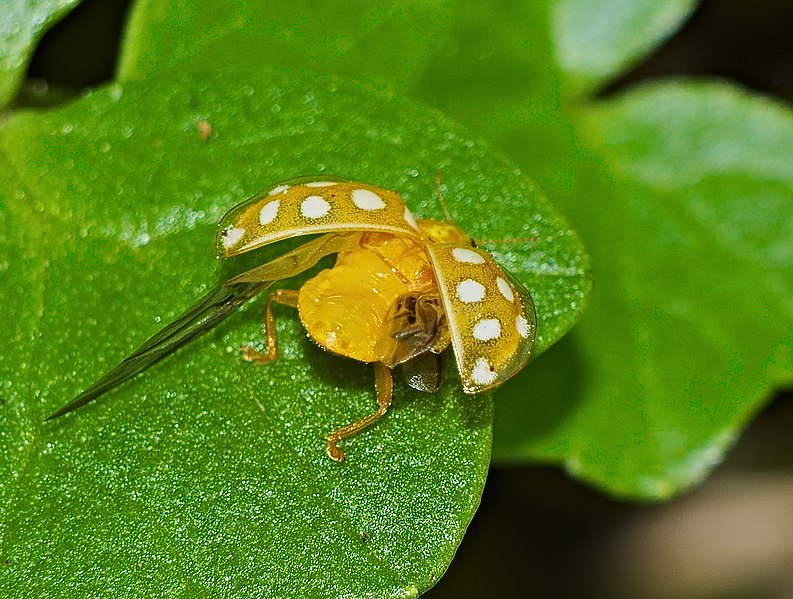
[(523, 326), (467, 256), (231, 235), (409, 219), (320, 184), (277, 190), (482, 373), (470, 291), (268, 212), (505, 289), (487, 329), (314, 207), (367, 200)]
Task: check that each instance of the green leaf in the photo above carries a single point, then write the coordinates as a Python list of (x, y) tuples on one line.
[(161, 35), (22, 23), (23, 286), (692, 324), (208, 475), (597, 39), (645, 398)]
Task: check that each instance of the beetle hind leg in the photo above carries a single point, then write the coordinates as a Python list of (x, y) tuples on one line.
[(286, 297), (384, 387)]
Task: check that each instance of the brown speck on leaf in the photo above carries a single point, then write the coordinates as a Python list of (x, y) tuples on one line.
[(204, 130)]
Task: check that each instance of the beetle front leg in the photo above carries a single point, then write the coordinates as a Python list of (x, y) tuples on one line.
[(286, 297), (384, 387)]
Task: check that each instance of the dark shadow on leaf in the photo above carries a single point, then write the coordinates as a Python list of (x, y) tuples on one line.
[(336, 371), (426, 404), (539, 399)]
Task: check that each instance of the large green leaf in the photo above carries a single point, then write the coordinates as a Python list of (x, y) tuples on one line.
[(644, 399), (22, 23), (208, 475)]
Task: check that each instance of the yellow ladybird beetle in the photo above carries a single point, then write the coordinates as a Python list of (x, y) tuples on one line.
[(401, 291)]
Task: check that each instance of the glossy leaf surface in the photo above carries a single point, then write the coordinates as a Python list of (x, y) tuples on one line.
[(208, 475)]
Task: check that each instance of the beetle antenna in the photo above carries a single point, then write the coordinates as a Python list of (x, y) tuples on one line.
[(441, 199)]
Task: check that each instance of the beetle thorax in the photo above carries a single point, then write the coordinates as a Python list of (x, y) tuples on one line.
[(441, 231)]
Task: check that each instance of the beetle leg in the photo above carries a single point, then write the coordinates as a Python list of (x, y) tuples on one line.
[(383, 386), (286, 297)]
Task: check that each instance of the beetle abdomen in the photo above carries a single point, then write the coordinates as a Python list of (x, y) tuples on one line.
[(343, 308)]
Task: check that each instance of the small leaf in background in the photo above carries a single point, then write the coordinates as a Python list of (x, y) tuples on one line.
[(208, 475), (597, 40), (22, 23)]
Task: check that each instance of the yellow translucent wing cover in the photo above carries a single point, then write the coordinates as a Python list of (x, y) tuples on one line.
[(311, 207), (491, 315)]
